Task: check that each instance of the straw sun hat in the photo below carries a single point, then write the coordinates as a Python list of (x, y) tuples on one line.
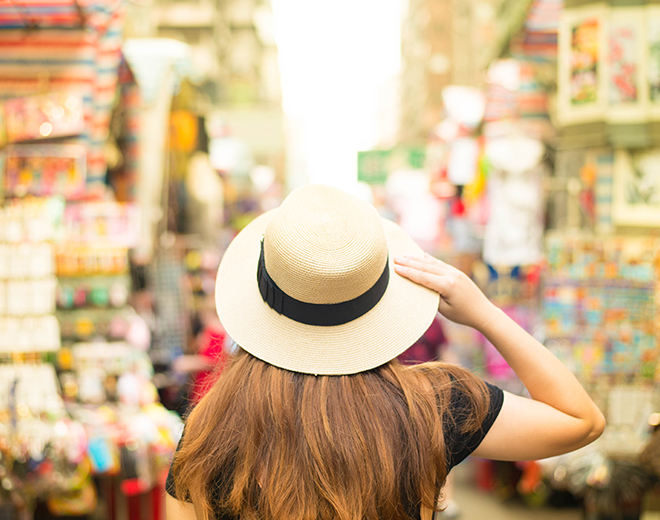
[(310, 286)]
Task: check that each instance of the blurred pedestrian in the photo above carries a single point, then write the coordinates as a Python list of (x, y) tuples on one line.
[(204, 366)]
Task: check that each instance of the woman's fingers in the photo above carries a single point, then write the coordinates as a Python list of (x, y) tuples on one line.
[(426, 259), (430, 264), (436, 282), (460, 299)]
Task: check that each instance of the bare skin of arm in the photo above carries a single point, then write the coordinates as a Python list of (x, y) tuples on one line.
[(560, 416), (178, 509)]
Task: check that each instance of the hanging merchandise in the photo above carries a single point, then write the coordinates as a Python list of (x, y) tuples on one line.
[(464, 105), (125, 131), (48, 457), (127, 418), (27, 283), (80, 421), (417, 211), (619, 490), (457, 172), (600, 318), (70, 52), (539, 38), (205, 208), (184, 128), (167, 275), (113, 224), (44, 170), (514, 231), (46, 116), (475, 192), (516, 291), (158, 64), (3, 128), (42, 452), (600, 313), (599, 297), (516, 99), (464, 108), (463, 160), (93, 271)]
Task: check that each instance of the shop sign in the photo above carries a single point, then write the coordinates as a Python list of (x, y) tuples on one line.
[(374, 166)]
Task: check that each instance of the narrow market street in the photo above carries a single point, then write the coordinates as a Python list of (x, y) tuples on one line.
[(476, 504)]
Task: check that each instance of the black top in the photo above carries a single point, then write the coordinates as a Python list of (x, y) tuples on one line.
[(458, 445)]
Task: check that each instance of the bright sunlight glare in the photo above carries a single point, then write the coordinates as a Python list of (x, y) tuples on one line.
[(334, 56)]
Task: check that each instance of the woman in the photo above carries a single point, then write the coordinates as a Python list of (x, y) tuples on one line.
[(314, 418)]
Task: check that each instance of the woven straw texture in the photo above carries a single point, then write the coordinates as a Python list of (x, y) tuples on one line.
[(325, 240), (322, 246)]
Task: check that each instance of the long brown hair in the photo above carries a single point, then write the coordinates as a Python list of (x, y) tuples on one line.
[(270, 444)]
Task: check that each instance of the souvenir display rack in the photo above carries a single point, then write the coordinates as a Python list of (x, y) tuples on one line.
[(80, 406), (516, 290), (600, 306), (81, 428), (600, 309), (40, 452)]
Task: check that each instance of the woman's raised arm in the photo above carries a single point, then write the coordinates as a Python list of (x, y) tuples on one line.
[(559, 417)]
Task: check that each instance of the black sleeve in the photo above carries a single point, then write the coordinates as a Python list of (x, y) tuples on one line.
[(457, 444), (169, 483), (169, 487)]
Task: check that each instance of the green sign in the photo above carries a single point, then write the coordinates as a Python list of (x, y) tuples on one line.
[(374, 166), (416, 158)]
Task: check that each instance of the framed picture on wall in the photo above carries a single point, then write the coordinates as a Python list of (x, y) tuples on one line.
[(583, 64), (637, 188), (627, 89), (652, 62)]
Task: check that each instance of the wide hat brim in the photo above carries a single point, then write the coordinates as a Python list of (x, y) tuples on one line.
[(404, 313)]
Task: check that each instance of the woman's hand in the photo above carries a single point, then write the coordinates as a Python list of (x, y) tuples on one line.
[(559, 418), (461, 300)]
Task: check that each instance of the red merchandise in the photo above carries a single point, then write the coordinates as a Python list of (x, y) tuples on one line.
[(212, 347), (427, 348)]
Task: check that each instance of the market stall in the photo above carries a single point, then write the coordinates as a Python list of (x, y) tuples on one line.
[(81, 427)]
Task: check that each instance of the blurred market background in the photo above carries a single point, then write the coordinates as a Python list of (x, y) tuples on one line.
[(516, 139)]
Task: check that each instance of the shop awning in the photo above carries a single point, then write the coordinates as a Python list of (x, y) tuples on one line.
[(61, 14)]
